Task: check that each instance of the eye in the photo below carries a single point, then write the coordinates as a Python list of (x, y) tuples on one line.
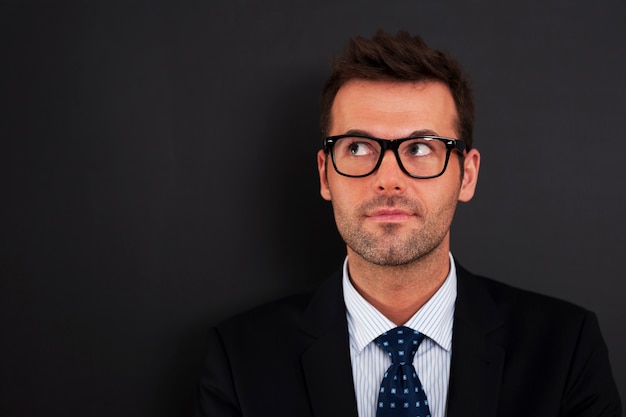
[(358, 147), (418, 148)]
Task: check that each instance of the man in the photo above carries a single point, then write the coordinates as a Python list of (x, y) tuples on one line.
[(397, 121)]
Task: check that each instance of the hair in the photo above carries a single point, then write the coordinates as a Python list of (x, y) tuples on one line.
[(403, 58)]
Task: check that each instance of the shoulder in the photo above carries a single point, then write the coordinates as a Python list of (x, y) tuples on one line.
[(282, 311), (510, 299), (542, 335), (522, 317), (304, 310)]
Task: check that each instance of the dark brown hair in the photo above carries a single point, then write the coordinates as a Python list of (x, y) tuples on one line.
[(402, 57)]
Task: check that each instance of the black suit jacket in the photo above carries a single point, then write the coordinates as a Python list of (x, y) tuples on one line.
[(514, 353)]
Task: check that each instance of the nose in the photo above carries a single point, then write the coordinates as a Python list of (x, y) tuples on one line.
[(389, 176)]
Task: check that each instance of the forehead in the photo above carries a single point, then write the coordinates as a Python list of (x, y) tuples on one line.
[(393, 109)]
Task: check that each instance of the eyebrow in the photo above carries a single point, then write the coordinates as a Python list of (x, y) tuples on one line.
[(423, 132)]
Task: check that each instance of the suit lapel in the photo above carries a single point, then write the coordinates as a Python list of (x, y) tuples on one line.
[(477, 361), (326, 363)]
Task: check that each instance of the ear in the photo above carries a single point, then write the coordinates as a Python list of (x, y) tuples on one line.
[(471, 165), (321, 168)]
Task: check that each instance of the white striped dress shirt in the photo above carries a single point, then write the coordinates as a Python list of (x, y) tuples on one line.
[(432, 360)]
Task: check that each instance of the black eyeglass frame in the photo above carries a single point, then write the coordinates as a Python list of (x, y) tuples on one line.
[(394, 145)]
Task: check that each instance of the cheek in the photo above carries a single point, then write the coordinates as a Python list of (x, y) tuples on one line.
[(338, 195), (437, 195), (346, 197)]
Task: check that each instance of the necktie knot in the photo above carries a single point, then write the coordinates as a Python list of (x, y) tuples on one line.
[(400, 344)]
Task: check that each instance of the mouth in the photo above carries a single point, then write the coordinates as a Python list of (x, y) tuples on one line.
[(389, 215)]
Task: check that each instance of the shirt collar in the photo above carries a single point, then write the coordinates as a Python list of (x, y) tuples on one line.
[(434, 319)]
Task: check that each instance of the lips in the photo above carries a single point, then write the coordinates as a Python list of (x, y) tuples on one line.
[(389, 214)]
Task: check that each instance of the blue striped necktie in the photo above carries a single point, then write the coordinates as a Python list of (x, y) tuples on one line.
[(401, 392)]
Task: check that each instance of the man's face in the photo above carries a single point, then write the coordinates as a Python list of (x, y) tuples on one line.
[(389, 218)]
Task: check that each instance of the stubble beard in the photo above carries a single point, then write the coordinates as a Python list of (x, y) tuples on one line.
[(393, 244)]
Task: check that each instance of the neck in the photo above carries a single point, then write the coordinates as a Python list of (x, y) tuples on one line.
[(398, 292)]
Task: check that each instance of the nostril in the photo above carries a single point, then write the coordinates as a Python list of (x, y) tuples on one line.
[(395, 188)]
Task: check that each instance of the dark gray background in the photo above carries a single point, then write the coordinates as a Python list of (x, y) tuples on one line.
[(158, 175)]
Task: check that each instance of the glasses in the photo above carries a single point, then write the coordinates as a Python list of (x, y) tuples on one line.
[(418, 156)]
